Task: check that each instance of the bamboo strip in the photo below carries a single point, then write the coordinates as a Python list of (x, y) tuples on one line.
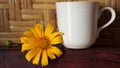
[(4, 6), (44, 6), (115, 4), (10, 34), (45, 1), (74, 0), (69, 0), (53, 18), (22, 4), (117, 7), (62, 0), (46, 17), (11, 9), (102, 2), (25, 4), (6, 22), (29, 11), (3, 1), (19, 29), (29, 3), (32, 17), (53, 15), (22, 23), (17, 10), (15, 40), (1, 21), (108, 2)]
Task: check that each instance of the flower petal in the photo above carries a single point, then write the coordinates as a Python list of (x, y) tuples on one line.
[(57, 40), (28, 34), (55, 34), (27, 47), (31, 41), (33, 30), (37, 57), (44, 58), (39, 30), (50, 54), (23, 40), (30, 54), (49, 29), (56, 51)]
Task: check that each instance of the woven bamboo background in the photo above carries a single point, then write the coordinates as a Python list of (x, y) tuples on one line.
[(17, 16)]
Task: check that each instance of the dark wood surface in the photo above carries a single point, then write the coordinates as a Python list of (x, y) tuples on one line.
[(93, 57)]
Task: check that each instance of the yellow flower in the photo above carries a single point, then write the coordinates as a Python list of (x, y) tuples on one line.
[(40, 44)]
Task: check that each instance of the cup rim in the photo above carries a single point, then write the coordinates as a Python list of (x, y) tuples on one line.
[(65, 2)]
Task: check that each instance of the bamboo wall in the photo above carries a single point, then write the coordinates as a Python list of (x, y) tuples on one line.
[(17, 16)]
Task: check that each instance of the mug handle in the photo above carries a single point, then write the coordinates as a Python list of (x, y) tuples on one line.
[(113, 15)]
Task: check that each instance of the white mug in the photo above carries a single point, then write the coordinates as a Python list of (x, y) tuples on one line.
[(79, 22)]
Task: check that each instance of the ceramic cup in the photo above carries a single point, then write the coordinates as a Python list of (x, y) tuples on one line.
[(79, 22)]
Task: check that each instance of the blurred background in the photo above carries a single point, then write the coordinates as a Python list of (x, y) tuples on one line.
[(17, 16)]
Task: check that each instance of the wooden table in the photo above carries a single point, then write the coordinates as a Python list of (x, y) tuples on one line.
[(94, 57)]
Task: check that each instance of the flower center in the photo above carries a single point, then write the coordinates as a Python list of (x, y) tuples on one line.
[(44, 42)]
